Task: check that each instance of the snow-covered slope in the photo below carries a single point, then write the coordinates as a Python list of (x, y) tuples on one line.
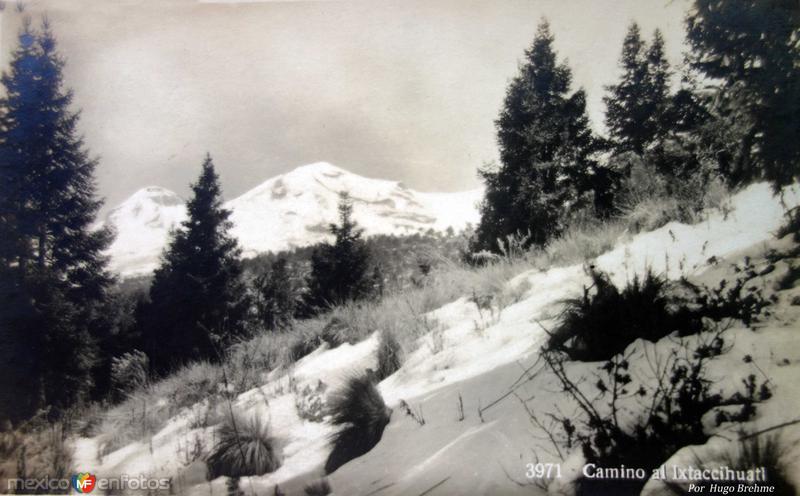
[(464, 451), (287, 211)]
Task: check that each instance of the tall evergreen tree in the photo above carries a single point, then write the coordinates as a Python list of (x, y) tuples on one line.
[(340, 271), (658, 88), (198, 301), (625, 109), (637, 106), (54, 276), (752, 47), (545, 146)]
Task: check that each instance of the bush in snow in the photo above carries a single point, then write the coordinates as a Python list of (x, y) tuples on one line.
[(606, 319), (389, 355), (673, 403), (318, 488), (310, 403), (129, 372), (792, 225), (361, 415), (244, 447)]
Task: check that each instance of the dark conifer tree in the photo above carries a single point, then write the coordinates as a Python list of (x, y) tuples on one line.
[(340, 271), (625, 103), (545, 147), (198, 302), (751, 46), (637, 106), (658, 97), (54, 276)]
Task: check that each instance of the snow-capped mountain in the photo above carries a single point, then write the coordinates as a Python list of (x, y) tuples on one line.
[(142, 224), (290, 210)]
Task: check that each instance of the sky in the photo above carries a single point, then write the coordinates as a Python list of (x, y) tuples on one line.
[(402, 90)]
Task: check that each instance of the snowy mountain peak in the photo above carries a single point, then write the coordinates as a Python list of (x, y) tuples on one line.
[(157, 195), (317, 168), (290, 210), (150, 205)]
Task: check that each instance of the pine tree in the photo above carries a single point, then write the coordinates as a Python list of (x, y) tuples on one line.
[(340, 272), (637, 106), (625, 109), (751, 46), (198, 302), (658, 89), (545, 147), (53, 271)]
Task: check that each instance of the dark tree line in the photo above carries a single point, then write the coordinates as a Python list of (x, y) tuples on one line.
[(741, 128), (53, 278)]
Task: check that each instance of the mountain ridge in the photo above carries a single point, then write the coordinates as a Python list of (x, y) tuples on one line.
[(287, 211)]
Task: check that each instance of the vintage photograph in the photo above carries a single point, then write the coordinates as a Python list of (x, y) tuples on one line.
[(400, 247)]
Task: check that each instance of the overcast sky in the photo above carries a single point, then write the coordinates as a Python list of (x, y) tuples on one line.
[(403, 90)]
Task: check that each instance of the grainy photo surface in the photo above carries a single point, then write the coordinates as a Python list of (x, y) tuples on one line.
[(386, 248)]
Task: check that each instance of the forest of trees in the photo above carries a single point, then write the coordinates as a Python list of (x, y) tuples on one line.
[(734, 116), (739, 126)]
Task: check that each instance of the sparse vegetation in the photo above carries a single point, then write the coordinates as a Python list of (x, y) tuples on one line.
[(668, 416), (243, 447), (129, 372), (791, 226), (605, 319), (310, 402), (360, 414)]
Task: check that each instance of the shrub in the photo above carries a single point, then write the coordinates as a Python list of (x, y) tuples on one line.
[(129, 372), (604, 321), (318, 488), (737, 300), (673, 403), (361, 415), (389, 355), (244, 447), (792, 225), (649, 199), (311, 334), (788, 280), (310, 403)]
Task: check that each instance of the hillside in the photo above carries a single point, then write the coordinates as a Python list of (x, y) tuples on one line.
[(288, 211), (477, 357)]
